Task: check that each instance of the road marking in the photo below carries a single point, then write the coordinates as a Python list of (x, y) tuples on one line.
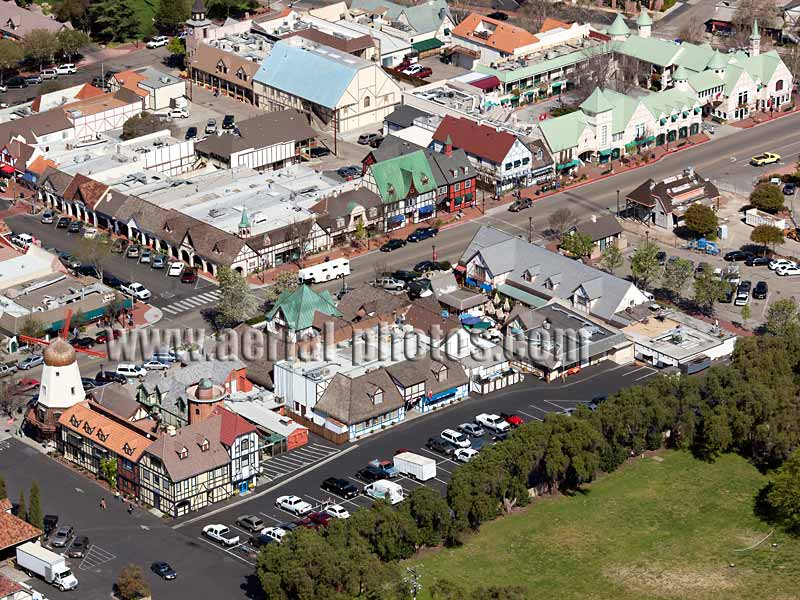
[(529, 415), (560, 408), (646, 375), (94, 558), (218, 547), (439, 480), (632, 372), (278, 521)]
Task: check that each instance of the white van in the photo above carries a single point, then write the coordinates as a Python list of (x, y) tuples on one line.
[(325, 271), (387, 490), (130, 370), (458, 439)]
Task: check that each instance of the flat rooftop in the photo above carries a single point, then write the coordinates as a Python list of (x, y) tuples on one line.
[(272, 200), (551, 53), (247, 45), (677, 335), (51, 292)]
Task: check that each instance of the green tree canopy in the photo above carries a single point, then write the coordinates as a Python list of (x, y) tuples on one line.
[(577, 244), (644, 264), (701, 219), (114, 20), (131, 584), (71, 41), (766, 235), (676, 274), (74, 11), (171, 15), (782, 317), (767, 197), (11, 53), (285, 280), (783, 492), (35, 514), (709, 290), (40, 46), (141, 124), (612, 259), (236, 303), (22, 511)]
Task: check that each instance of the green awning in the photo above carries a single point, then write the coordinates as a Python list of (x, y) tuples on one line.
[(631, 145), (426, 45), (647, 140), (468, 196), (556, 84), (567, 165), (663, 121), (521, 296), (606, 152)]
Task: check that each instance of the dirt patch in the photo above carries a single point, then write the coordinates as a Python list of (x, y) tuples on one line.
[(674, 582)]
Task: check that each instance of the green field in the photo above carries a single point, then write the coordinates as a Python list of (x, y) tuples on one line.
[(664, 527), (145, 11)]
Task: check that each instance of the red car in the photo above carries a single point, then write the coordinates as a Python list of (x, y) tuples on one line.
[(24, 385), (189, 275), (104, 336), (511, 419), (320, 518)]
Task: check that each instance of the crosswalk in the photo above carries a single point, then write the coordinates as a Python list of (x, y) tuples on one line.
[(95, 557), (292, 461), (192, 303)]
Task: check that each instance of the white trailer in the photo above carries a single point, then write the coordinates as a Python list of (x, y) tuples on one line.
[(384, 489), (419, 467), (755, 217), (325, 271), (51, 567)]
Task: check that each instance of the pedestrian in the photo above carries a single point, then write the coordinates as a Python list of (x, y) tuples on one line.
[(103, 503), (116, 494), (130, 508)]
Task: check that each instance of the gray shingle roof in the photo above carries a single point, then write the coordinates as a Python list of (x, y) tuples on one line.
[(351, 401), (603, 227), (403, 116), (168, 449)]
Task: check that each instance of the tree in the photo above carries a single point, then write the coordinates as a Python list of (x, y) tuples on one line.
[(11, 53), (22, 512), (767, 197), (577, 244), (236, 304), (114, 308), (114, 20), (35, 516), (286, 280), (71, 41), (745, 313), (782, 317), (748, 11), (361, 231), (141, 124), (10, 398), (708, 290), (171, 15), (766, 235), (561, 220), (94, 252), (644, 264), (40, 46), (431, 514), (676, 274), (694, 31), (596, 71), (783, 493), (3, 494), (32, 327), (612, 258), (108, 471), (75, 12), (701, 219), (131, 584), (177, 50)]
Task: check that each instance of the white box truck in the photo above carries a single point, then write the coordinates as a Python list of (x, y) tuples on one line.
[(51, 567), (419, 467), (325, 271), (386, 490)]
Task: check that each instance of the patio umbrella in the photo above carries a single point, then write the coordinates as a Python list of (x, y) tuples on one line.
[(490, 309), (506, 305), (496, 298)]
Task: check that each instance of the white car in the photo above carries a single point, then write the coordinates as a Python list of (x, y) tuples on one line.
[(131, 370), (788, 271), (294, 504), (493, 422), (66, 69), (175, 269), (158, 41), (465, 454), (337, 511), (155, 365), (221, 534), (48, 74), (777, 263), (274, 533), (137, 290), (458, 439), (90, 233), (413, 69)]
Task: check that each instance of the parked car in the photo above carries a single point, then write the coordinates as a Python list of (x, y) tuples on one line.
[(340, 487), (761, 290), (420, 288), (175, 269), (743, 293), (429, 265), (211, 126), (191, 133), (66, 69), (319, 518), (294, 504), (63, 536), (163, 570), (405, 276), (512, 419), (33, 79), (112, 281), (8, 368), (104, 377), (757, 261), (366, 138), (108, 335), (50, 522), (75, 227), (189, 275), (337, 511), (229, 122), (16, 83), (46, 74), (418, 70), (221, 534), (520, 204), (130, 370), (498, 16), (788, 271), (318, 152), (88, 383), (736, 256), (276, 534), (465, 454), (348, 173), (423, 233), (90, 233), (48, 217), (472, 429), (146, 256), (159, 262), (789, 189), (775, 263), (34, 360), (83, 342), (493, 422), (133, 251), (80, 546), (155, 365), (393, 244), (386, 467), (63, 223), (456, 438), (369, 474), (440, 446), (250, 523), (389, 283), (158, 42)]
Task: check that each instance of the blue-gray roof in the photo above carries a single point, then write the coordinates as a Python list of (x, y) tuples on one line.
[(317, 74), (423, 18)]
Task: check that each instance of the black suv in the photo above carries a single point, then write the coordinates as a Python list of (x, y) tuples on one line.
[(63, 223), (440, 446), (110, 377), (80, 546), (75, 227), (423, 233), (229, 122), (761, 290), (407, 276), (340, 487), (371, 473), (736, 256)]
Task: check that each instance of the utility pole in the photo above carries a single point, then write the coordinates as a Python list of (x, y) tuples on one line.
[(530, 229), (618, 204)]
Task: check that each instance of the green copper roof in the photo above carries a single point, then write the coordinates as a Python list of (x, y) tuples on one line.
[(644, 18), (396, 177), (680, 73), (563, 132), (245, 220), (298, 307), (596, 103), (618, 27), (669, 102), (755, 35), (624, 108), (717, 61), (706, 80), (654, 50)]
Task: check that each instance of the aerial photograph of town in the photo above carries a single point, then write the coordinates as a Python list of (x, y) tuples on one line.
[(399, 299)]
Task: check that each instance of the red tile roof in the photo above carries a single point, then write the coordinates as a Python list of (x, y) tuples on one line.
[(5, 504), (478, 140), (503, 36), (15, 531), (9, 586), (88, 91), (549, 24), (39, 164), (232, 426)]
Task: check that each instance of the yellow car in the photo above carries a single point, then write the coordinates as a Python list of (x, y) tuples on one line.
[(767, 158)]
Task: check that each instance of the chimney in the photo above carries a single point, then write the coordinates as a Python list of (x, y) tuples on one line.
[(448, 146), (593, 218)]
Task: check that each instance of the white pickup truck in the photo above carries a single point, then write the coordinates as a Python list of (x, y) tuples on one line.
[(221, 534), (494, 422)]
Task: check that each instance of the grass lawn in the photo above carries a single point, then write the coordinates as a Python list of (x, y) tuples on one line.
[(145, 11), (663, 527)]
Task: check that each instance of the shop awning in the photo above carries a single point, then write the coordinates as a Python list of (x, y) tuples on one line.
[(397, 219), (7, 169), (487, 83), (606, 152), (461, 268), (567, 165), (427, 45), (426, 210), (521, 296)]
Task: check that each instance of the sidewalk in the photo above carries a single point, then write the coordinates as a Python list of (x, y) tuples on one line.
[(763, 116)]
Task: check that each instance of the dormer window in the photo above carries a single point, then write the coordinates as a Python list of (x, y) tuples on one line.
[(204, 445), (340, 223), (240, 74), (222, 67), (184, 453), (442, 374), (377, 397), (372, 212)]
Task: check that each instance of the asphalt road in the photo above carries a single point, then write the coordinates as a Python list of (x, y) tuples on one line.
[(723, 159)]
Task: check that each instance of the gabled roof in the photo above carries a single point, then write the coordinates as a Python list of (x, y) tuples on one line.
[(563, 132), (25, 20), (14, 531), (396, 177), (499, 35), (353, 400), (717, 61), (368, 301), (596, 102), (601, 228), (550, 23), (232, 426), (298, 307), (475, 139), (168, 449), (331, 208), (423, 18), (206, 58), (425, 369), (618, 27)]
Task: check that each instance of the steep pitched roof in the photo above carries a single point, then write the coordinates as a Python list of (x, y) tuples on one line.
[(168, 449), (618, 27), (353, 400), (423, 18), (602, 227), (475, 139), (298, 307), (498, 34), (15, 531), (206, 58), (596, 102), (550, 23), (232, 426), (563, 132), (369, 301), (425, 369), (396, 177)]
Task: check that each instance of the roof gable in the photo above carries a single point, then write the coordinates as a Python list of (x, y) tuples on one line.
[(404, 176), (479, 140)]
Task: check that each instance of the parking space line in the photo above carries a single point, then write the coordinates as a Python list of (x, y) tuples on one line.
[(646, 375), (541, 410), (632, 372), (237, 528), (554, 404), (437, 456), (440, 481), (438, 466), (263, 514), (528, 415), (95, 557), (228, 551)]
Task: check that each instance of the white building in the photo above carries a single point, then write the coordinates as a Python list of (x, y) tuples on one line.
[(240, 439), (158, 89)]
